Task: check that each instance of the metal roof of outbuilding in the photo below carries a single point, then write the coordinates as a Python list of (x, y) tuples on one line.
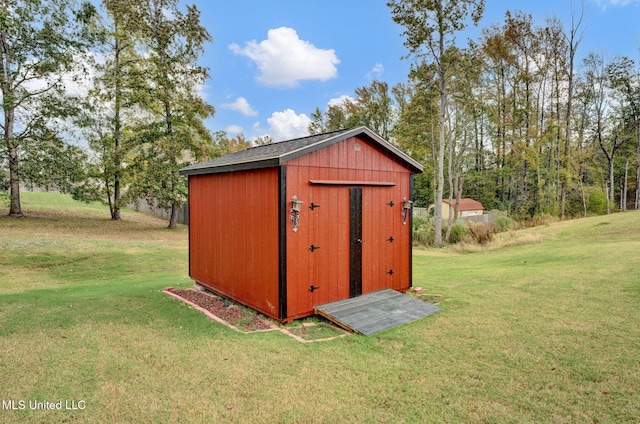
[(276, 154)]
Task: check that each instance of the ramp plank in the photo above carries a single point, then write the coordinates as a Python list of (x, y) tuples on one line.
[(374, 312)]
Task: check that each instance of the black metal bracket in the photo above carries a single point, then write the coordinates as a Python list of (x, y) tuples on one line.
[(390, 203), (313, 288), (390, 272), (312, 206), (312, 248), (390, 239)]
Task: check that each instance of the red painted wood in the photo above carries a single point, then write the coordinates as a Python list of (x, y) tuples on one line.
[(352, 183), (234, 229), (233, 240), (324, 177)]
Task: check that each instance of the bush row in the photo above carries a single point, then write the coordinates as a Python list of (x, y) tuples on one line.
[(471, 232)]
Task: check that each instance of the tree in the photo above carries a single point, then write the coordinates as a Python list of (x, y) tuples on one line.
[(626, 109), (50, 163), (416, 128), (499, 68), (333, 119), (463, 114), (39, 42), (605, 82), (573, 39), (430, 26), (111, 101), (373, 107), (175, 133)]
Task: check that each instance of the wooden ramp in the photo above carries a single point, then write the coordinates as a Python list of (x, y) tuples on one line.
[(374, 312)]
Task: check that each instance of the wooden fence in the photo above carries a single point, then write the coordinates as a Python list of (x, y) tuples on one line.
[(153, 209), (486, 217)]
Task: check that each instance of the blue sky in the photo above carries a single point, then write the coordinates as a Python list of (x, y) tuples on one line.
[(273, 62)]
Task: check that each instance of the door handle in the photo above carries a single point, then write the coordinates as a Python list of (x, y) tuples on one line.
[(313, 288)]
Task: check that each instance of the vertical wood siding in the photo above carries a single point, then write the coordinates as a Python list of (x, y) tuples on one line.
[(233, 240), (328, 225)]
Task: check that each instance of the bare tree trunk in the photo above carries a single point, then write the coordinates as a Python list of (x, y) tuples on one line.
[(638, 171), (638, 184), (115, 212), (14, 177), (584, 198), (441, 136), (623, 197), (451, 218), (573, 42), (612, 189), (458, 189), (15, 209), (173, 219)]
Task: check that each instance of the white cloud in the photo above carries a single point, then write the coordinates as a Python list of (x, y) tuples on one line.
[(241, 105), (234, 129), (606, 3), (376, 71), (287, 125), (340, 101), (284, 60)]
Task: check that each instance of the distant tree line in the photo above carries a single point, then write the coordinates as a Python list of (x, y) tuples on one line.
[(512, 119), (133, 66)]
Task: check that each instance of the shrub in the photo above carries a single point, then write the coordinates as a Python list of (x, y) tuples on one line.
[(482, 233), (596, 201), (539, 220), (503, 222), (423, 232), (459, 231)]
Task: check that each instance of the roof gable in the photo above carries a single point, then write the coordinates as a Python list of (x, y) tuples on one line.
[(276, 154)]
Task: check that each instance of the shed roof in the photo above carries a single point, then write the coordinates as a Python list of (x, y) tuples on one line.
[(466, 204), (276, 154)]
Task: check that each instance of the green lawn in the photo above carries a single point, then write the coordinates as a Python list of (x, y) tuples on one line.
[(541, 326)]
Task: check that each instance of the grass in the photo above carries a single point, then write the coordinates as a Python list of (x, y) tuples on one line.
[(541, 325)]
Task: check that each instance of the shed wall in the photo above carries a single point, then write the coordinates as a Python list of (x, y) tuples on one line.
[(351, 163), (233, 236)]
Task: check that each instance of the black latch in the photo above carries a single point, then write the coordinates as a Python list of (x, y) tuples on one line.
[(390, 203), (390, 272), (312, 206), (313, 288), (312, 248), (390, 239)]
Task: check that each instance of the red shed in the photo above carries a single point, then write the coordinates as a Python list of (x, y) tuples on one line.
[(288, 226)]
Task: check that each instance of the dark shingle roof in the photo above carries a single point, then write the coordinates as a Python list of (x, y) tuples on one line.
[(277, 153)]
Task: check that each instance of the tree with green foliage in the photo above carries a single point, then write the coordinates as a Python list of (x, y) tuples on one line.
[(173, 132), (333, 119), (40, 41), (606, 85), (374, 107), (415, 132), (429, 30), (112, 105)]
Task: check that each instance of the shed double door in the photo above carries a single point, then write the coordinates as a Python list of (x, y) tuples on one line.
[(352, 249)]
